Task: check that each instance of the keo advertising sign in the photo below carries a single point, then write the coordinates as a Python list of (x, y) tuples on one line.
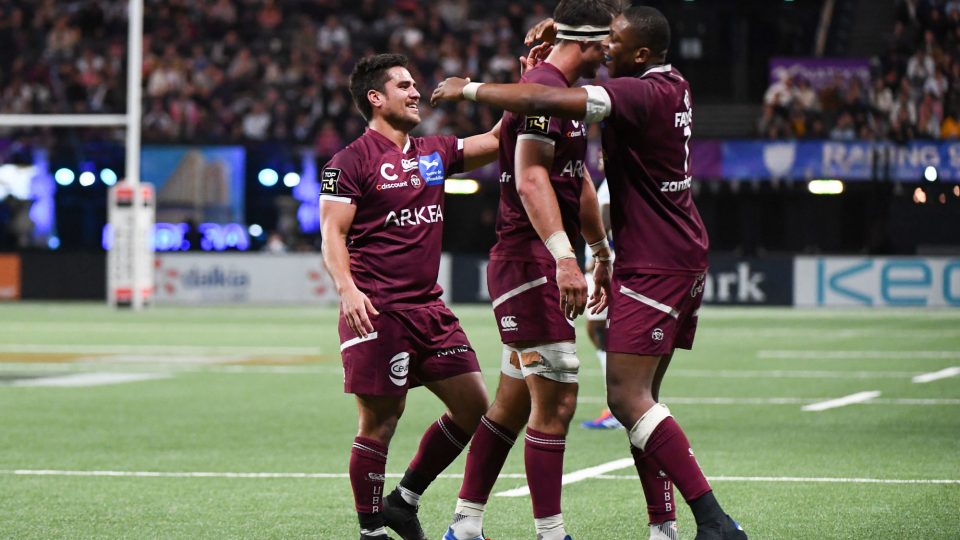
[(877, 281)]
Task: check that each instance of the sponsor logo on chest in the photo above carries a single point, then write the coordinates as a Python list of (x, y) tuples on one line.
[(408, 217)]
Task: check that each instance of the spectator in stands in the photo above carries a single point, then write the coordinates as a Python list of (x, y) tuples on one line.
[(950, 128), (929, 117), (845, 130)]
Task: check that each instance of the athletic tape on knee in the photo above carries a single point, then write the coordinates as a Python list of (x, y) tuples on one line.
[(555, 361), (510, 363), (644, 427)]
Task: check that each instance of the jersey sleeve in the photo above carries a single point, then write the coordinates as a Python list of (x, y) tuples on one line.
[(452, 147), (341, 178)]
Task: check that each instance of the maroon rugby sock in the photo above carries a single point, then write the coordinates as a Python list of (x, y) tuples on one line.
[(440, 445), (670, 451), (657, 488), (488, 451), (543, 457), (368, 464)]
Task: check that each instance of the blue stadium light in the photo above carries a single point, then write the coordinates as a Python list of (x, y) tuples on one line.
[(255, 230), (64, 176), (930, 174), (268, 177), (53, 242), (108, 177), (87, 179), (291, 179)]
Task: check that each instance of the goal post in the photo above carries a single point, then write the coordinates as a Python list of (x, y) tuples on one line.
[(131, 209)]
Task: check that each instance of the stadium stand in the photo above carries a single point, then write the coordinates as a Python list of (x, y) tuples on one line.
[(914, 91)]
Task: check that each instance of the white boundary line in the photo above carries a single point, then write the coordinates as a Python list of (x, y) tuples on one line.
[(294, 475), (576, 476), (669, 400), (937, 375), (807, 354), (234, 364), (159, 349), (859, 397)]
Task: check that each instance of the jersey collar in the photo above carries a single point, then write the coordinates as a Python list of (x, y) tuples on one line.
[(385, 141), (665, 68)]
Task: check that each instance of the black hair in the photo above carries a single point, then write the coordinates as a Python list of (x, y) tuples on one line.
[(586, 12), (651, 28), (370, 73)]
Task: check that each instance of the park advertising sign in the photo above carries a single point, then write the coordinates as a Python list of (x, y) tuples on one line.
[(877, 281)]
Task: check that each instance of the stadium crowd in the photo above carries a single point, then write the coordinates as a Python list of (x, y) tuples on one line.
[(251, 70), (914, 90)]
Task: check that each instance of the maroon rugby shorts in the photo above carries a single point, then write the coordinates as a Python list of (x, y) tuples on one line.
[(406, 349), (526, 301), (653, 314)]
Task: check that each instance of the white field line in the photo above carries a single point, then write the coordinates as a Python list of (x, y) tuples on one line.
[(669, 400), (517, 476), (77, 380), (807, 354), (822, 334), (937, 375), (576, 476), (859, 397), (805, 479), (210, 364), (190, 350), (111, 363)]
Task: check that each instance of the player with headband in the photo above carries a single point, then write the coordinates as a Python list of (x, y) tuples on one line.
[(660, 270), (546, 200)]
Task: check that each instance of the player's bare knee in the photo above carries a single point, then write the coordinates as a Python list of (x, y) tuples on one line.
[(644, 427)]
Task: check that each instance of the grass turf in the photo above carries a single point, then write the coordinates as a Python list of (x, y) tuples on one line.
[(775, 467)]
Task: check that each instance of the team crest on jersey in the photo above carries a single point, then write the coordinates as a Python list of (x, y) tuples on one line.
[(328, 180), (415, 181), (537, 124), (431, 168)]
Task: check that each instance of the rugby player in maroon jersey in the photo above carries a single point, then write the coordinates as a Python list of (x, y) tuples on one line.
[(382, 203), (646, 111)]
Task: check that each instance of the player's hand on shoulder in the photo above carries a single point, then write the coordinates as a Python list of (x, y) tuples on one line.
[(545, 30), (601, 287), (357, 311), (450, 89), (573, 288)]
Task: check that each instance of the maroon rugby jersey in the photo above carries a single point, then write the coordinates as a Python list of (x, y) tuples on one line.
[(395, 239), (646, 145), (516, 237)]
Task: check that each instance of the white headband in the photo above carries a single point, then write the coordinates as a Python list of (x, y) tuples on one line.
[(582, 33)]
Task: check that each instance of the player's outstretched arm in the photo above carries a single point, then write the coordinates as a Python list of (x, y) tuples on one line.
[(481, 149), (336, 218), (531, 99)]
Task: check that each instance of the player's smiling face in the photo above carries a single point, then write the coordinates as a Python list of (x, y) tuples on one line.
[(401, 100), (621, 49)]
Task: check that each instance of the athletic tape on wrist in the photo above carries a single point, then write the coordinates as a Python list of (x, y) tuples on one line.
[(470, 90), (599, 246), (559, 246)]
